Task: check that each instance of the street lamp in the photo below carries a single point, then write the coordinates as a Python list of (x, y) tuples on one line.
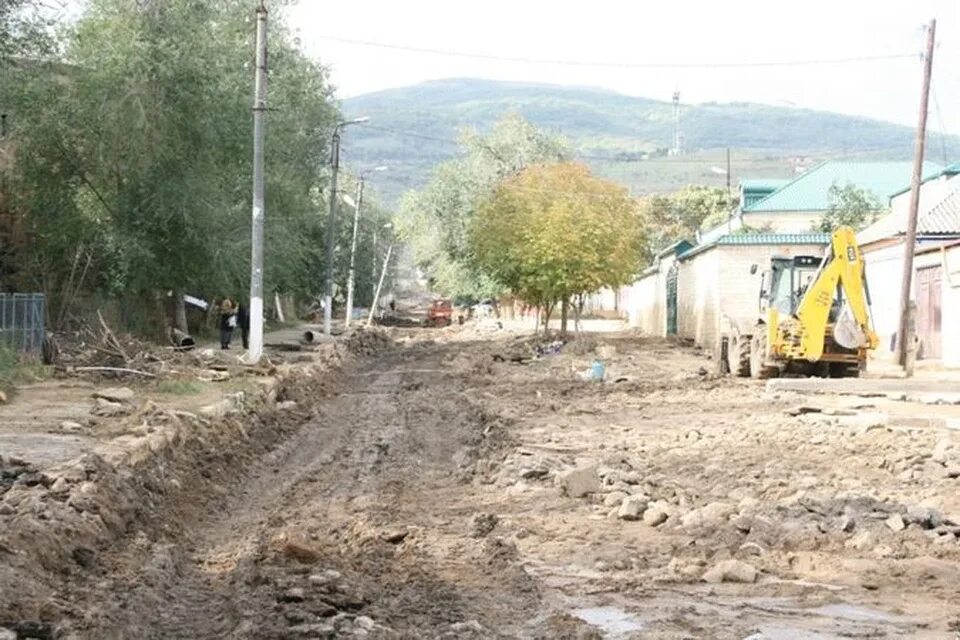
[(332, 221), (353, 245)]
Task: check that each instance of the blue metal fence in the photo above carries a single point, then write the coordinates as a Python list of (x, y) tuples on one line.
[(22, 321)]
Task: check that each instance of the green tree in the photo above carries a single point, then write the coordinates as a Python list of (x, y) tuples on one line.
[(683, 213), (552, 232), (849, 206), (435, 220), (133, 164)]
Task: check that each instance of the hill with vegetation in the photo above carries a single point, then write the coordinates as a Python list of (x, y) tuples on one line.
[(625, 138)]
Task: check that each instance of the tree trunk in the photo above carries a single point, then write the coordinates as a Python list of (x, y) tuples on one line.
[(547, 312), (564, 311), (179, 311), (577, 310)]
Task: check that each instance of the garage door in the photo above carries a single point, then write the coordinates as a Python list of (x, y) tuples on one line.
[(928, 312)]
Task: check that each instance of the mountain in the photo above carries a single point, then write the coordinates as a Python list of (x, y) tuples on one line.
[(624, 138)]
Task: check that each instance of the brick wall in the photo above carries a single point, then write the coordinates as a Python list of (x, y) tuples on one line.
[(697, 291), (718, 282)]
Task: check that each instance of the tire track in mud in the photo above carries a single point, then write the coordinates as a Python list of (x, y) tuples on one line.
[(333, 532)]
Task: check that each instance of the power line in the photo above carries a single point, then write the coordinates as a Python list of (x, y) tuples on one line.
[(410, 134), (942, 127), (622, 65)]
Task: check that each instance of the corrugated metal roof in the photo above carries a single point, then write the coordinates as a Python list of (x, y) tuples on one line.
[(761, 239), (759, 184), (949, 171), (775, 238), (810, 191), (941, 219)]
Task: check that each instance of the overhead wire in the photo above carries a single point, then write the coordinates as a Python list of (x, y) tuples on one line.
[(941, 122), (615, 64)]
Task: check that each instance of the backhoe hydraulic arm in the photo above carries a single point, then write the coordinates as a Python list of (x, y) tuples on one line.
[(844, 266)]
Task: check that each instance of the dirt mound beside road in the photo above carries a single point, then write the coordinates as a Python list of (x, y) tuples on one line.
[(55, 524)]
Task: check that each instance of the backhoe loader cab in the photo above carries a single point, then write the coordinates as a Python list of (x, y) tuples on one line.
[(813, 317), (783, 285)]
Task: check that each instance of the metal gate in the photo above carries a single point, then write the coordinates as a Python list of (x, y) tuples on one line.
[(22, 321), (929, 285), (672, 299)]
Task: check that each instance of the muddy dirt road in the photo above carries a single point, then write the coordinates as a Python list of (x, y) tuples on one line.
[(444, 490)]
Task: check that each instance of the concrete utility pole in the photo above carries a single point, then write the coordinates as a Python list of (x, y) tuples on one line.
[(376, 295), (256, 252), (353, 252), (332, 224), (905, 334)]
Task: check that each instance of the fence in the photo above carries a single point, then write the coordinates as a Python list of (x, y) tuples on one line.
[(22, 317)]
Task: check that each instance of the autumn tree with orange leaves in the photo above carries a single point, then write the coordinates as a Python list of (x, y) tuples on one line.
[(554, 231)]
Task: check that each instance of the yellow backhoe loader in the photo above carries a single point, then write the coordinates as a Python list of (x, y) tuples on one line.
[(814, 317)]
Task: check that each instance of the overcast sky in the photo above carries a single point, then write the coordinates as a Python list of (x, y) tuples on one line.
[(668, 32)]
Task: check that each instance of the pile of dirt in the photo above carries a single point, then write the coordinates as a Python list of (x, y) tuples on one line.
[(368, 342), (55, 523)]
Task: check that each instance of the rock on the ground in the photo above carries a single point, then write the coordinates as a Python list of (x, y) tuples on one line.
[(69, 426), (924, 516), (533, 473), (109, 408), (294, 594), (481, 524), (579, 482), (632, 507), (940, 450), (115, 394), (614, 498), (231, 404), (654, 516), (712, 515), (896, 523), (731, 571), (7, 634)]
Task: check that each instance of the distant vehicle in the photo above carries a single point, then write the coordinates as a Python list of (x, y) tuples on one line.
[(440, 313)]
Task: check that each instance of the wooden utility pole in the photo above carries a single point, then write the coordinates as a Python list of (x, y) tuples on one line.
[(351, 275), (905, 333), (256, 252), (729, 192)]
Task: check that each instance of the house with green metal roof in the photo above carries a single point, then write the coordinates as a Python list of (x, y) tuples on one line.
[(754, 190), (795, 207)]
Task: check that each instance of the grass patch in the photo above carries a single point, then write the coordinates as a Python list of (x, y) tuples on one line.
[(179, 387), (15, 370)]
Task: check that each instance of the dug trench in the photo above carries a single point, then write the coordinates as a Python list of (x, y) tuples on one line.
[(306, 526), (461, 488)]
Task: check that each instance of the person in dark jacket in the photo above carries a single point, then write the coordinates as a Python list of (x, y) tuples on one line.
[(228, 320), (243, 321)]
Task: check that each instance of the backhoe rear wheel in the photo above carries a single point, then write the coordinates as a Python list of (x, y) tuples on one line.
[(759, 368), (738, 356)]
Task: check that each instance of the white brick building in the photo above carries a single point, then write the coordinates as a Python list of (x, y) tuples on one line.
[(713, 281)]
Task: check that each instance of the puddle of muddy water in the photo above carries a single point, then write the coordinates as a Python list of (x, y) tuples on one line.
[(851, 612), (613, 622)]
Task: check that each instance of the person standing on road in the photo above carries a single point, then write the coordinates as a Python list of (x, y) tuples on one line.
[(228, 320), (243, 321)]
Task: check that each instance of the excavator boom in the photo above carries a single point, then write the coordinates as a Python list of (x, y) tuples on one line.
[(844, 266)]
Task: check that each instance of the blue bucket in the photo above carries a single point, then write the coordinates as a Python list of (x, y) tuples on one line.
[(597, 370)]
